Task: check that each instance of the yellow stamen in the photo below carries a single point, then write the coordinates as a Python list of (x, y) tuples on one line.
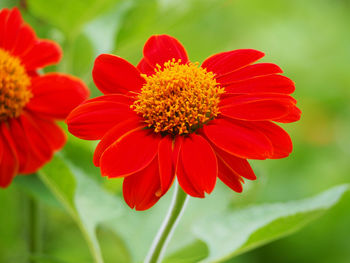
[(178, 98), (14, 86)]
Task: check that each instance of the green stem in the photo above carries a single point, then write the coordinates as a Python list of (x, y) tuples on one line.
[(160, 242), (34, 231)]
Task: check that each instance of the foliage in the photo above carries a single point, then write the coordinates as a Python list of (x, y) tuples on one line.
[(309, 39)]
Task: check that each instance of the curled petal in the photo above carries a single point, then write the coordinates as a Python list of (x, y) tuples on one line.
[(141, 190), (13, 25), (230, 61), (230, 177), (25, 41), (185, 181), (279, 138), (237, 139), (56, 95), (145, 68), (43, 53), (199, 164), (166, 167), (239, 166), (162, 48), (92, 120), (239, 99), (4, 13), (293, 115), (113, 135), (53, 134), (113, 74), (176, 151), (21, 143), (39, 148), (35, 151), (252, 71), (117, 98), (263, 84), (257, 107), (8, 157), (130, 153)]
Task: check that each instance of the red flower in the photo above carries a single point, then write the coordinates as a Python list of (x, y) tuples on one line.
[(29, 102), (168, 117)]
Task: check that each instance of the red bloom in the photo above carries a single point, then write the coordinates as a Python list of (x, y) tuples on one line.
[(168, 117), (30, 103)]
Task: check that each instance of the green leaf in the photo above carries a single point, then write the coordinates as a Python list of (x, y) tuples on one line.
[(211, 231), (85, 200), (59, 178), (186, 254), (35, 187), (138, 229), (231, 233)]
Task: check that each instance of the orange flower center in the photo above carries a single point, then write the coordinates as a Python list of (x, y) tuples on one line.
[(178, 99), (14, 86)]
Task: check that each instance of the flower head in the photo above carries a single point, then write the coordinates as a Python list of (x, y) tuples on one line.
[(169, 117), (29, 102), (179, 98)]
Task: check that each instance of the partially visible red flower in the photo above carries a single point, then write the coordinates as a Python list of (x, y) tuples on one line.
[(30, 102), (168, 117)]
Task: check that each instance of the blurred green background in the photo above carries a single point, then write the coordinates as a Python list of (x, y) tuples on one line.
[(310, 40)]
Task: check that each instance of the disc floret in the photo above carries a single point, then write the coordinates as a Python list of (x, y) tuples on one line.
[(14, 86), (178, 98)]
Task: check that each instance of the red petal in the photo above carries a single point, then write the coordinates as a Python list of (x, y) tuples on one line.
[(112, 135), (113, 74), (145, 68), (91, 120), (118, 98), (238, 139), (293, 115), (8, 157), (239, 166), (56, 95), (176, 151), (226, 62), (25, 41), (4, 13), (21, 143), (130, 153), (141, 189), (185, 182), (256, 111), (264, 84), (31, 155), (166, 167), (256, 107), (40, 149), (281, 142), (162, 48), (199, 162), (43, 53), (256, 70), (229, 177), (52, 133), (239, 99), (13, 24)]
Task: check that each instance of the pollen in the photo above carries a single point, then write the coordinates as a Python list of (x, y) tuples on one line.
[(178, 98), (15, 90)]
